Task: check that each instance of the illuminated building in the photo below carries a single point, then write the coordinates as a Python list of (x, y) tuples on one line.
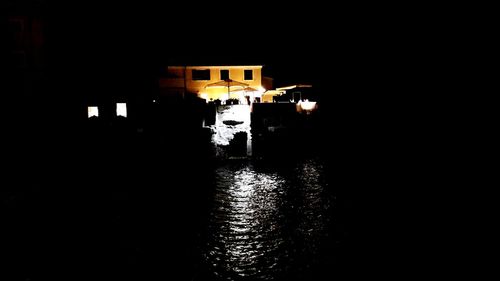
[(211, 82)]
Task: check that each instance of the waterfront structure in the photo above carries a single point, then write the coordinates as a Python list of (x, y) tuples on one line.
[(216, 82)]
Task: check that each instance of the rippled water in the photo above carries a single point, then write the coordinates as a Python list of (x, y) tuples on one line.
[(266, 221)]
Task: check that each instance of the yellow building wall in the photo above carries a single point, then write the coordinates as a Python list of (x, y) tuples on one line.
[(199, 86), (268, 96)]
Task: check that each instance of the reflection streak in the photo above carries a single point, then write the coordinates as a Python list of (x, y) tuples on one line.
[(258, 218)]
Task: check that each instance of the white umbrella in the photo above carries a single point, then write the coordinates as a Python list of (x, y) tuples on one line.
[(227, 83), (248, 91)]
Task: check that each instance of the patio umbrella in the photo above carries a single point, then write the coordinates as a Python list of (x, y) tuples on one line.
[(247, 91), (227, 83)]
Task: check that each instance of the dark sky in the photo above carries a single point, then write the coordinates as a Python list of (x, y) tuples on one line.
[(306, 41), (128, 37)]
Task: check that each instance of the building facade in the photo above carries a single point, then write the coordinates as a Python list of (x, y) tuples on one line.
[(215, 82)]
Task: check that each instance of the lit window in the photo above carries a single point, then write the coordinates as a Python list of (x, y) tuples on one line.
[(248, 74), (121, 109), (93, 111)]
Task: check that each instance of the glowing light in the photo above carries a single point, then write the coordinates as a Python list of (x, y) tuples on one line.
[(249, 200), (121, 109), (223, 133), (93, 111), (308, 105), (204, 96)]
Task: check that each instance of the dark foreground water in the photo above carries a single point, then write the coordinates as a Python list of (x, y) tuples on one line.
[(150, 207), (269, 217), (269, 221)]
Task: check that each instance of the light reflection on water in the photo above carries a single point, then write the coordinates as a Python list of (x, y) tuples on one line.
[(264, 219)]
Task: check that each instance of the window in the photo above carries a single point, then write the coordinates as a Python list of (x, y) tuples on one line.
[(224, 74), (121, 109), (248, 74), (201, 74), (93, 111)]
